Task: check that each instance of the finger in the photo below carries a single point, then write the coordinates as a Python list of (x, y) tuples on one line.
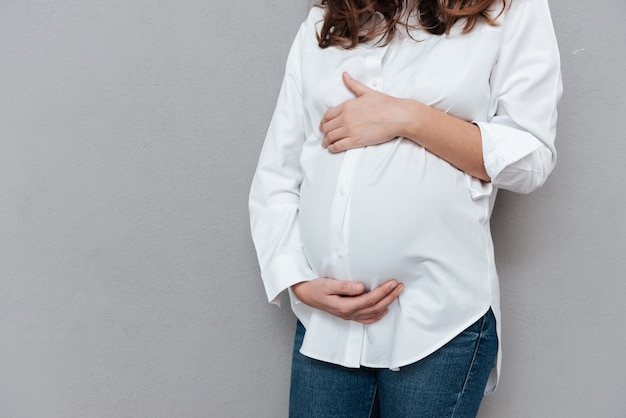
[(372, 319), (367, 302), (331, 124), (381, 306), (384, 289), (333, 132), (341, 145), (355, 86), (345, 288), (330, 114), (334, 136)]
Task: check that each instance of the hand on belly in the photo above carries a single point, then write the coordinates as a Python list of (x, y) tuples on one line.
[(348, 299)]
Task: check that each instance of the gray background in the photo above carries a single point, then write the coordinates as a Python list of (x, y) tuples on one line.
[(128, 283)]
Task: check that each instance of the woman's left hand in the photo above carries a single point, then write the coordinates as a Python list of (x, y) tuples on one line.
[(370, 118), (373, 117)]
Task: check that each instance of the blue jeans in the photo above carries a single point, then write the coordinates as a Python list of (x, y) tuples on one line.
[(448, 383)]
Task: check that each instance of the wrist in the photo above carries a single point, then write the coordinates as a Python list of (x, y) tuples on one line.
[(412, 117), (298, 289)]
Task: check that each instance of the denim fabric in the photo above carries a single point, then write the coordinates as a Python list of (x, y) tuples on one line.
[(448, 383)]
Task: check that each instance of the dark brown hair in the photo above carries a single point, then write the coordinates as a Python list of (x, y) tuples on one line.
[(350, 22)]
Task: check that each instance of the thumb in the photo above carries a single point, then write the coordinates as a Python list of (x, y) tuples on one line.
[(355, 86), (345, 288)]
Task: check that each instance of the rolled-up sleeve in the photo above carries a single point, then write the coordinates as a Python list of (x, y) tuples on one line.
[(518, 141), (275, 191)]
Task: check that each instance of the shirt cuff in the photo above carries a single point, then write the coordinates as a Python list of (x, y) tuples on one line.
[(285, 270), (504, 145)]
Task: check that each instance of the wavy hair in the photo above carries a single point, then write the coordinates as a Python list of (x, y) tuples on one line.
[(350, 22)]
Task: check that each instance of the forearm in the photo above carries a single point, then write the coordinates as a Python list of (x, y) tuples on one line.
[(453, 139)]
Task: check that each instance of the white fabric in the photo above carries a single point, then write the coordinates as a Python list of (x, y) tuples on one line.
[(395, 210)]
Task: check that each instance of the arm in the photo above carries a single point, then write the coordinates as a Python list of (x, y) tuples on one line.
[(273, 204), (275, 191), (375, 117), (518, 142), (514, 149)]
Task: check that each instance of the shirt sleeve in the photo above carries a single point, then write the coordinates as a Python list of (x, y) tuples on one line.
[(275, 192), (518, 142)]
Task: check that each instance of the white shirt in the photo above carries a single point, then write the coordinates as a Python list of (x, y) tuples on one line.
[(395, 210)]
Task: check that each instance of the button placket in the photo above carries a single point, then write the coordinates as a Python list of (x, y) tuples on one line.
[(338, 216), (340, 211), (374, 67)]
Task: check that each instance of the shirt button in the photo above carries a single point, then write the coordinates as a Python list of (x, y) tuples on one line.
[(342, 192), (374, 83), (339, 254)]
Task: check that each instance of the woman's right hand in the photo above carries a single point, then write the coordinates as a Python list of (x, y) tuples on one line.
[(348, 300)]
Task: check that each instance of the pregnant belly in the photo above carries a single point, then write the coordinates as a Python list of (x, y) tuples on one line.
[(403, 219)]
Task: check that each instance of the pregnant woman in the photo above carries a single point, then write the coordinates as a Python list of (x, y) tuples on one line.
[(396, 124)]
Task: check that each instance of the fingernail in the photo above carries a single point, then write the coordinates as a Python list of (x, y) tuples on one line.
[(356, 287)]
